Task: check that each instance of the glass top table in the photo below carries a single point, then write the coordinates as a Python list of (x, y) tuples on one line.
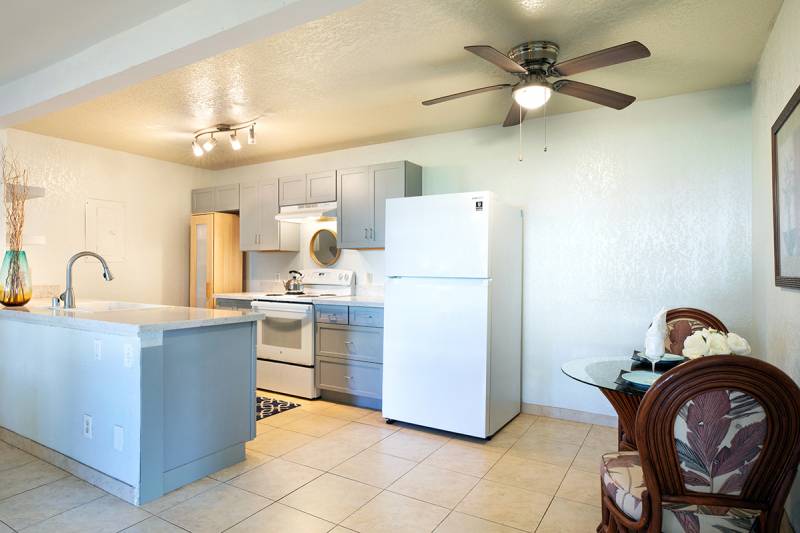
[(602, 372)]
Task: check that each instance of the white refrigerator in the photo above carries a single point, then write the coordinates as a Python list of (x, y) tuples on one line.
[(452, 350)]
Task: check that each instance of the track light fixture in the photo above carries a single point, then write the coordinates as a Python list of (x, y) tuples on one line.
[(200, 147)]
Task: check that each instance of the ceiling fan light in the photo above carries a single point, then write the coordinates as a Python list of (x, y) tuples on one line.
[(532, 95), (210, 143), (198, 151), (235, 143)]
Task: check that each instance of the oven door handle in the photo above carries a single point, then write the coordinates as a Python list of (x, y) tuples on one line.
[(282, 310)]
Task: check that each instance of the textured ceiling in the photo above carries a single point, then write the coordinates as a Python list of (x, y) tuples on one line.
[(357, 77), (37, 33)]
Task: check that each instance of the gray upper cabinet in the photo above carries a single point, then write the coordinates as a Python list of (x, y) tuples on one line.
[(292, 190), (321, 187), (210, 199), (355, 211), (258, 229), (362, 195), (203, 200)]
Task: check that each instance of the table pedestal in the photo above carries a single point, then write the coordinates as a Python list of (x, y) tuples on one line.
[(626, 406)]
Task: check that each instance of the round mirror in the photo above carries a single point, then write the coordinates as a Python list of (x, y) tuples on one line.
[(323, 248)]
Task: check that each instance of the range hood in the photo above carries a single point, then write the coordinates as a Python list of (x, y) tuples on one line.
[(306, 212)]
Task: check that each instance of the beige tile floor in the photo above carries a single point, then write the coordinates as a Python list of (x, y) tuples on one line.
[(327, 467)]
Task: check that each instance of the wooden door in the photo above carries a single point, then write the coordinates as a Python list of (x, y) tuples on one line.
[(227, 270), (356, 210), (201, 268), (321, 187)]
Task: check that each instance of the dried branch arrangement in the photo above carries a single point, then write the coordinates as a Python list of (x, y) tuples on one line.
[(15, 283), (15, 193)]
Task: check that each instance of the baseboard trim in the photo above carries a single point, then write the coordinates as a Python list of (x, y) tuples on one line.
[(109, 484), (569, 414)]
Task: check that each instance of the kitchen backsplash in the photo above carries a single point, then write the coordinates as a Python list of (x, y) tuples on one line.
[(265, 271)]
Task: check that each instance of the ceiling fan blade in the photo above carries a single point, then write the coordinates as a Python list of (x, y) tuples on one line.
[(602, 58), (513, 116), (594, 94), (496, 57), (466, 93)]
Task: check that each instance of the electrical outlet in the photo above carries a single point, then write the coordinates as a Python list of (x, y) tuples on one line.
[(278, 276), (119, 436), (87, 427), (369, 278), (98, 349), (127, 357)]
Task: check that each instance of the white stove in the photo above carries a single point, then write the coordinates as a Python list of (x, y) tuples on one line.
[(285, 345)]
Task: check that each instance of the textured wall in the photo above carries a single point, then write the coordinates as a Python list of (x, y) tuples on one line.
[(157, 201), (626, 212), (776, 311)]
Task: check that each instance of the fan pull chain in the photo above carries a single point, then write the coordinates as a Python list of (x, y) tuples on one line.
[(545, 126), (520, 134)]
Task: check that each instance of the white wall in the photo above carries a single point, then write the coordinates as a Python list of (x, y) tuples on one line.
[(776, 310), (626, 212), (157, 208)]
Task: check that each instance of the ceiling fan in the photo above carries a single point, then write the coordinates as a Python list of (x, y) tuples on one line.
[(535, 61)]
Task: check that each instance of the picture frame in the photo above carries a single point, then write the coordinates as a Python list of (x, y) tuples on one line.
[(786, 193)]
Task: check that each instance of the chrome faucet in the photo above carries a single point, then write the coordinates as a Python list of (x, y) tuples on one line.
[(68, 296)]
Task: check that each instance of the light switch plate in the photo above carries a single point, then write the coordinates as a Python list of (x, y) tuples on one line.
[(87, 427)]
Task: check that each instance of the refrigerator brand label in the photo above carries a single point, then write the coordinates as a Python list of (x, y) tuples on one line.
[(479, 205)]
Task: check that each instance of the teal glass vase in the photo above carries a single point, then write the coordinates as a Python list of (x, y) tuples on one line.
[(15, 279)]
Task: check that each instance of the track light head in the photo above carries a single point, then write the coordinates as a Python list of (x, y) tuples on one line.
[(235, 144), (210, 143), (251, 134), (198, 151)]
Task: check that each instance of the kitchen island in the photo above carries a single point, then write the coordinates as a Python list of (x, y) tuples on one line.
[(137, 399)]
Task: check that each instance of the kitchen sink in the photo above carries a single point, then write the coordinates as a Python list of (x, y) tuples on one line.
[(107, 307)]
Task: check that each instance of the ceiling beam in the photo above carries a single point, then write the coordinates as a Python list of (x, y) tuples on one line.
[(188, 33)]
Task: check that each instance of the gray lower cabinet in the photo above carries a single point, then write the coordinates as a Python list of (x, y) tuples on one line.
[(350, 377), (350, 356), (362, 194), (211, 199)]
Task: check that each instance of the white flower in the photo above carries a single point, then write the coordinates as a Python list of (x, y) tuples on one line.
[(738, 345), (695, 346), (717, 345)]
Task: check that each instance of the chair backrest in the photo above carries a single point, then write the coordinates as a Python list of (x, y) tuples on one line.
[(683, 321), (721, 431)]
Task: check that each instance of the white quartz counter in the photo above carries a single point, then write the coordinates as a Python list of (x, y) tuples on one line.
[(124, 318)]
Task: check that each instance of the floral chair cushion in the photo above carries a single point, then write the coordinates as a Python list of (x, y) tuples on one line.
[(623, 481), (682, 518), (719, 435), (678, 330)]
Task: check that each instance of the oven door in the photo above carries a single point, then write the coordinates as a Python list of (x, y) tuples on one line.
[(286, 334)]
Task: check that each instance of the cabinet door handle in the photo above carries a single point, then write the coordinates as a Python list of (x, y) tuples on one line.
[(366, 233), (371, 234)]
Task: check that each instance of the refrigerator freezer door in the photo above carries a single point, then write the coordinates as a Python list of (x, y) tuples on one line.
[(435, 353), (445, 236)]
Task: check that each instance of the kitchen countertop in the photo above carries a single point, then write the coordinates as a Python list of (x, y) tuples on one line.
[(362, 300), (124, 318)]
